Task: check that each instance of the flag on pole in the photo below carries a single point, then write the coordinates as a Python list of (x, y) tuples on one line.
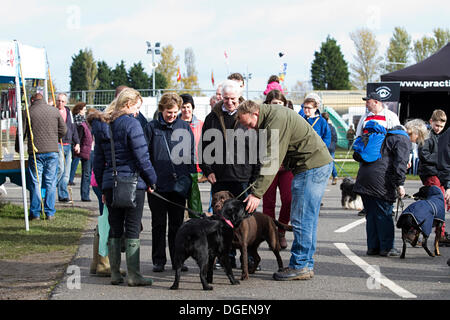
[(226, 56), (178, 75), (212, 77)]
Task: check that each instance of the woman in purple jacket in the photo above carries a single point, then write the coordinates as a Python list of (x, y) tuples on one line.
[(86, 139)]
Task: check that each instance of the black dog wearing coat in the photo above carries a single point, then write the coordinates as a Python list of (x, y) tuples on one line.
[(421, 216), (349, 199), (207, 238)]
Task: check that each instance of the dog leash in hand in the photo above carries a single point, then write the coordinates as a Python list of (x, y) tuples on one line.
[(402, 205), (195, 214), (248, 188)]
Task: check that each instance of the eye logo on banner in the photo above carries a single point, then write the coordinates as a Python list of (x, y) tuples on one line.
[(388, 91), (384, 92)]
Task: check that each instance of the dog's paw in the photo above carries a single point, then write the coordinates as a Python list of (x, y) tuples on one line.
[(244, 277), (174, 287), (208, 288), (235, 282)]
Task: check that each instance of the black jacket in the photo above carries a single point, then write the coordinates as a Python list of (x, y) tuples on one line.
[(158, 132), (71, 136), (380, 178), (428, 156), (443, 164), (130, 150), (243, 167)]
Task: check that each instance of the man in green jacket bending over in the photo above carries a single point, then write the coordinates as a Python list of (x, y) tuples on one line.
[(291, 138)]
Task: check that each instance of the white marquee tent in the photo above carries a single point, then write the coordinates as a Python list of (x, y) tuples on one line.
[(16, 61)]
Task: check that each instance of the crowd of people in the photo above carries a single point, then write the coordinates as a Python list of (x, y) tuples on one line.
[(175, 146)]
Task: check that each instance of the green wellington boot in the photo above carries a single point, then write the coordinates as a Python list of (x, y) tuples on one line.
[(133, 264), (115, 258)]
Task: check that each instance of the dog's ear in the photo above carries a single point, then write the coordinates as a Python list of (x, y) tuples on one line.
[(230, 194), (422, 194)]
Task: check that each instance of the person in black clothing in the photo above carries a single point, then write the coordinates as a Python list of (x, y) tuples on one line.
[(443, 165), (223, 174), (378, 183), (163, 137)]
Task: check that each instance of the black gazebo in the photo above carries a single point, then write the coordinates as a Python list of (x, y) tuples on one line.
[(424, 86)]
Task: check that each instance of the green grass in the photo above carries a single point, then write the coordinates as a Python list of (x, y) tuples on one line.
[(350, 168), (60, 234)]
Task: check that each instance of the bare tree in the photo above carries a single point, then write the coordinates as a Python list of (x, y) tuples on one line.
[(368, 63)]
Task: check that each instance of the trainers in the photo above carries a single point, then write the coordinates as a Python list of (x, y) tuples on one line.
[(390, 253), (334, 181), (293, 274)]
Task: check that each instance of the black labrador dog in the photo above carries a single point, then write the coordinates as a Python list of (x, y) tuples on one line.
[(207, 238)]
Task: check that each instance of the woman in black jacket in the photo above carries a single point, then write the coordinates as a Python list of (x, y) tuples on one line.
[(379, 183), (172, 151), (132, 157)]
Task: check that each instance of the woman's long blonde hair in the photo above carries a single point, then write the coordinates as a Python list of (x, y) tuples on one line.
[(116, 108)]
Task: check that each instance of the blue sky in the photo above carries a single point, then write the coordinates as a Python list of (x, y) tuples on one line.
[(252, 32)]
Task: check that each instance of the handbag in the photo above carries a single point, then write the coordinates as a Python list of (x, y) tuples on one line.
[(124, 188), (183, 183)]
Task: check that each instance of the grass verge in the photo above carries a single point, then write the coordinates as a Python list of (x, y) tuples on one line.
[(44, 236)]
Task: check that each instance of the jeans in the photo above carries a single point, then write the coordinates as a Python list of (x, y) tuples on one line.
[(73, 168), (85, 179), (307, 191), (65, 161), (379, 224), (334, 171), (47, 164)]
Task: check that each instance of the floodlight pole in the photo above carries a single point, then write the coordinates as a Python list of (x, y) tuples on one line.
[(153, 50), (247, 77)]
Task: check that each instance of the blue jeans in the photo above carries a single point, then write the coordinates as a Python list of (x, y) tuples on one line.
[(307, 191), (85, 186), (334, 172), (379, 223), (73, 168), (64, 171), (47, 164)]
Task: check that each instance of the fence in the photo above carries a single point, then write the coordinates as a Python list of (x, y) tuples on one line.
[(340, 101), (348, 104)]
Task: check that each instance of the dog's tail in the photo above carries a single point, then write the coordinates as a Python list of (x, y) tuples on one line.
[(283, 226)]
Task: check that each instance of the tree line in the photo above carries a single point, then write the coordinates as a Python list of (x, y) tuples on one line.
[(329, 70), (88, 74)]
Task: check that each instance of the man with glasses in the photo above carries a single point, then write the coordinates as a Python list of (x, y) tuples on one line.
[(65, 148)]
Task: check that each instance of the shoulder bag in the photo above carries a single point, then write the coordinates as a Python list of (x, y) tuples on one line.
[(183, 183), (124, 188)]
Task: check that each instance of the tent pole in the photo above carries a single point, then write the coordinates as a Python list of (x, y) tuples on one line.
[(22, 157)]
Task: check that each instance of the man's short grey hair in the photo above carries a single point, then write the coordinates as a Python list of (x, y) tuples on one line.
[(231, 86), (61, 94)]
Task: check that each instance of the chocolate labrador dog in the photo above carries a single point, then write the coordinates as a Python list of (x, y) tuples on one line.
[(251, 233), (205, 239)]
